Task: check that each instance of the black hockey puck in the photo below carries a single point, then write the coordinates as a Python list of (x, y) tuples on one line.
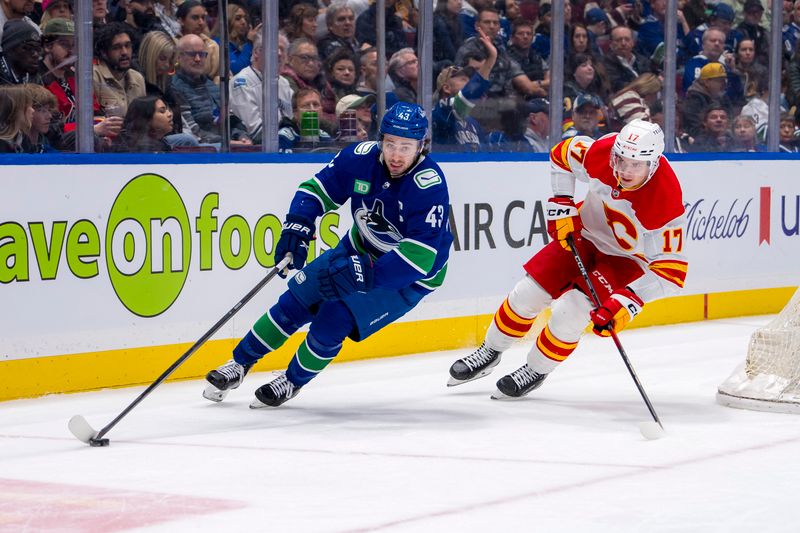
[(98, 443)]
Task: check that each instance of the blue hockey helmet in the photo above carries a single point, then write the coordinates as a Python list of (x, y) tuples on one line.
[(405, 120)]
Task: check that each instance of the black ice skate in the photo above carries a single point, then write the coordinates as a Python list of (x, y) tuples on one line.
[(274, 393), (518, 383), (479, 363), (224, 379)]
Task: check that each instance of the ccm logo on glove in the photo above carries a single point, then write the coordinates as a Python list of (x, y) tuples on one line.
[(616, 312), (563, 220), (556, 211)]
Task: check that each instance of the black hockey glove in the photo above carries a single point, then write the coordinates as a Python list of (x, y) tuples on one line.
[(346, 275), (297, 233)]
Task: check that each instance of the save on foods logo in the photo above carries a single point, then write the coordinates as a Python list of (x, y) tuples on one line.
[(148, 243)]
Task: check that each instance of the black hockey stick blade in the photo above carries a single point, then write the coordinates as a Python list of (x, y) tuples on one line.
[(84, 432)]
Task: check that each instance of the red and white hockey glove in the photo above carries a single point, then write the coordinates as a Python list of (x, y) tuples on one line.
[(616, 312), (563, 219)]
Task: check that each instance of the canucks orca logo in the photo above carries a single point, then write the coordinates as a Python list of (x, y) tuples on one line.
[(374, 228)]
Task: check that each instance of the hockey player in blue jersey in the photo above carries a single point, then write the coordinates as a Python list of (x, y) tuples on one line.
[(393, 256)]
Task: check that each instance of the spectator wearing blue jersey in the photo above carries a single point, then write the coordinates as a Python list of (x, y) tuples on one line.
[(394, 255), (791, 31), (714, 51), (509, 12), (541, 40), (597, 24), (722, 19), (458, 89), (651, 32)]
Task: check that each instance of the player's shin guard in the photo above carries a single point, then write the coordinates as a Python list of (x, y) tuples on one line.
[(310, 359), (506, 327), (271, 330), (515, 317), (268, 334), (560, 336), (332, 325), (549, 351)]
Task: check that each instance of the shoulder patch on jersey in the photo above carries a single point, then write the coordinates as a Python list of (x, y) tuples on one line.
[(239, 82), (364, 148), (427, 178)]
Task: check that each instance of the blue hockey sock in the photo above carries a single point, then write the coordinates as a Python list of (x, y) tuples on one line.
[(271, 330), (309, 360), (323, 342)]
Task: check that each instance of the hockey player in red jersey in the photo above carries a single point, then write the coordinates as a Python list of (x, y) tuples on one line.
[(629, 231)]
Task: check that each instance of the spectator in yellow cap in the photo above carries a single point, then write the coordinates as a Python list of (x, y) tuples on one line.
[(708, 88)]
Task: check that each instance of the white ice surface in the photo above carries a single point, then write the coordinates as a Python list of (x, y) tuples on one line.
[(383, 445)]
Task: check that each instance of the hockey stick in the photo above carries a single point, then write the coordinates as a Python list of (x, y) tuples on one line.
[(648, 429), (84, 432)]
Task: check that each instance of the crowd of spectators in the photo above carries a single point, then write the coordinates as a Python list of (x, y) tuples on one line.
[(156, 72)]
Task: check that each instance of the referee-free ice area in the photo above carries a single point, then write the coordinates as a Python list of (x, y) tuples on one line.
[(383, 445)]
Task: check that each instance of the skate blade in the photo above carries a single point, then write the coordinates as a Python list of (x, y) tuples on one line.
[(498, 395), (452, 382), (258, 404), (214, 394)]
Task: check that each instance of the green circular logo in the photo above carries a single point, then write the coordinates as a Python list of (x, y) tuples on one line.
[(148, 245)]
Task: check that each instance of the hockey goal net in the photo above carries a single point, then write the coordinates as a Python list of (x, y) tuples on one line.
[(769, 379)]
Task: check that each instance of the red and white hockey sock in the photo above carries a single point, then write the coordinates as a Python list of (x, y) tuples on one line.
[(549, 351)]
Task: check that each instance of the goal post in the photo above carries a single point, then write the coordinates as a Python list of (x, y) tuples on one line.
[(769, 378)]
